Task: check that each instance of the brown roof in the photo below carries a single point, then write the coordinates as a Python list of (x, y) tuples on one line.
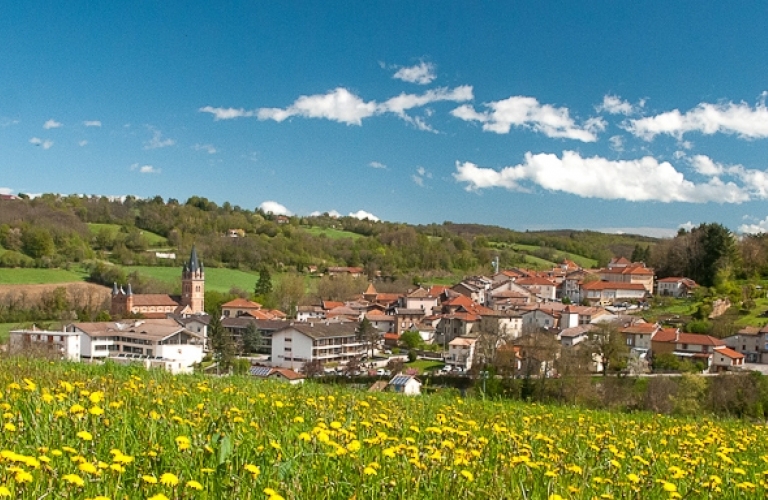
[(533, 281), (463, 341), (671, 335), (153, 299), (725, 351), (243, 303), (612, 285)]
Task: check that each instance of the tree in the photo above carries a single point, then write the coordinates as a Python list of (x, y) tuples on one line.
[(313, 368), (288, 293), (395, 365), (221, 342), (609, 344), (264, 284), (37, 242), (369, 335), (411, 339), (252, 338)]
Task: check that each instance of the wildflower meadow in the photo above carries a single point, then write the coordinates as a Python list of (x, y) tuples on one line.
[(108, 432)]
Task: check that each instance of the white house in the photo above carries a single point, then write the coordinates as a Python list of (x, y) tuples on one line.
[(461, 351), (64, 345), (161, 342), (300, 343), (405, 384), (675, 286)]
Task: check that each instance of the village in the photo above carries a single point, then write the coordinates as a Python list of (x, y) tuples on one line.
[(516, 319)]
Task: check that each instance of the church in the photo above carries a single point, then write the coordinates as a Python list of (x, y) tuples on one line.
[(159, 305)]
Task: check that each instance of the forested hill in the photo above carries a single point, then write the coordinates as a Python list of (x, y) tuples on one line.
[(53, 231)]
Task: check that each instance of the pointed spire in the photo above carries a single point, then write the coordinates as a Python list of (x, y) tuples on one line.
[(129, 292), (114, 288), (194, 263)]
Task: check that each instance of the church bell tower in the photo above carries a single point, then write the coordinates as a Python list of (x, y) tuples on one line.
[(193, 284)]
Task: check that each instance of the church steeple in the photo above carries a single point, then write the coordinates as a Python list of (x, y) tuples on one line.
[(193, 283)]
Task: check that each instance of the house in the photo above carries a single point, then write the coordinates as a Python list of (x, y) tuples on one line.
[(692, 346), (380, 321), (239, 307), (461, 352), (420, 298), (542, 288), (44, 343), (300, 343), (235, 233), (724, 359), (750, 341), (407, 319), (639, 335), (675, 287), (281, 374), (310, 313), (157, 306), (540, 318), (236, 327), (506, 324), (355, 272), (405, 384), (569, 337), (608, 292), (155, 342), (622, 271)]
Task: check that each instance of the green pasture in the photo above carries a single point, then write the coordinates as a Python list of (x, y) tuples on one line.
[(33, 276), (330, 233), (218, 279), (154, 240)]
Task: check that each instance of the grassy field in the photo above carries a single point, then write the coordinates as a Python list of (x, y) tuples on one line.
[(154, 240), (331, 233), (582, 261), (16, 276), (218, 279), (109, 432), (4, 329), (425, 365)]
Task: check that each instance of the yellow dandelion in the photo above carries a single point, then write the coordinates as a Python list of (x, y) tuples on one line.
[(149, 479), (470, 477), (169, 479), (73, 479), (253, 469), (22, 476), (85, 435), (88, 467), (159, 496), (194, 485), (4, 491), (369, 471), (9, 427)]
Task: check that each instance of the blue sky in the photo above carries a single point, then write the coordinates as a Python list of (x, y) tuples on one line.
[(622, 116)]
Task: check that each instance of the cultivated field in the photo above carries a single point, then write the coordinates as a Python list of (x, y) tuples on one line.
[(104, 432), (76, 291)]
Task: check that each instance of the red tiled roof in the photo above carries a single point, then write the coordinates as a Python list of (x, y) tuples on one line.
[(534, 280), (153, 299), (671, 335), (243, 303), (612, 285), (725, 351)]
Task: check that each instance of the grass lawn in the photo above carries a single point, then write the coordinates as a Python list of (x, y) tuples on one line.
[(755, 316), (154, 240), (425, 365), (4, 329), (333, 234), (218, 279), (16, 276)]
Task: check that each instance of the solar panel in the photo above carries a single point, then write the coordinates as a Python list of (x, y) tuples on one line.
[(400, 380), (260, 371)]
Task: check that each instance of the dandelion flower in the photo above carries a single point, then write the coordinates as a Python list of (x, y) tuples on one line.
[(169, 479), (4, 491), (159, 496), (85, 435), (253, 469), (470, 477), (149, 479), (73, 479), (194, 485), (369, 471)]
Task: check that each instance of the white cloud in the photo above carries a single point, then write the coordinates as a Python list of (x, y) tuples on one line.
[(44, 143), (227, 113), (527, 112), (341, 105), (727, 118), (420, 175), (705, 166), (338, 105), (422, 74), (145, 169), (92, 123), (759, 227), (51, 124), (615, 105), (617, 143), (82, 143), (208, 148), (157, 141), (378, 165), (687, 226), (644, 179), (6, 122), (275, 208), (362, 215), (4, 190), (653, 232)]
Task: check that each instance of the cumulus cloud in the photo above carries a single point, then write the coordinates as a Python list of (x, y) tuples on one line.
[(227, 113), (44, 143), (644, 179), (5, 190), (728, 118), (82, 143), (687, 226), (92, 123), (208, 148), (614, 105), (51, 124), (757, 228), (362, 215), (332, 213), (338, 105), (705, 166), (617, 143), (341, 105), (145, 169), (378, 165), (157, 141), (528, 112), (422, 74), (273, 207)]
